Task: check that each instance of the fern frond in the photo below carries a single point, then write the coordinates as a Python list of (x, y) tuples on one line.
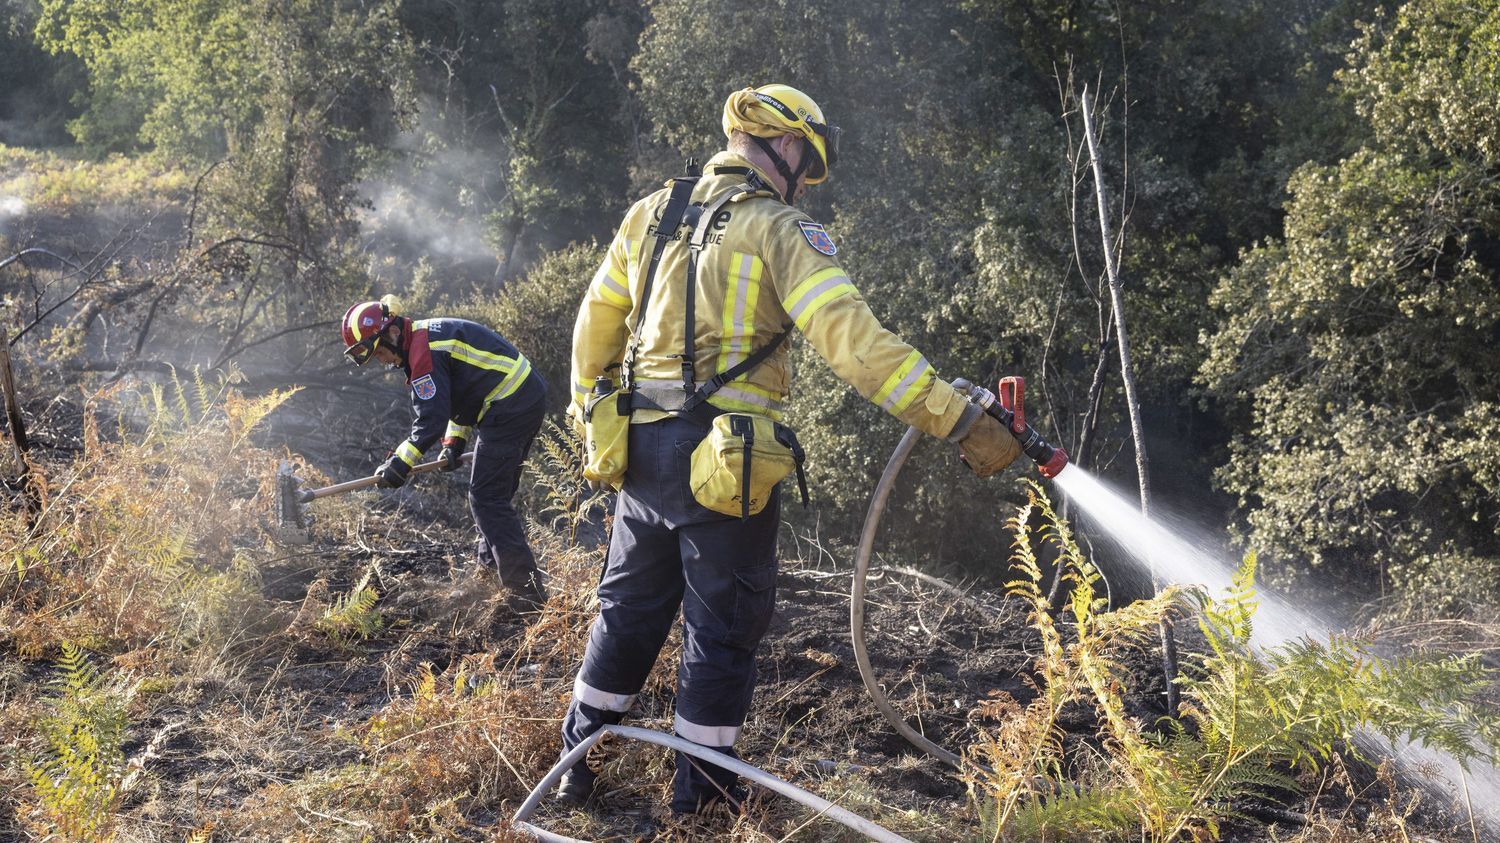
[(78, 777), (179, 395), (558, 471), (205, 401), (353, 616), (244, 415), (1072, 814)]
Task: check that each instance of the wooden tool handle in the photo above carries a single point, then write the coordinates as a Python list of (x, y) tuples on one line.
[(367, 482)]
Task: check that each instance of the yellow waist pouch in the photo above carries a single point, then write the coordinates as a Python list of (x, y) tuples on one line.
[(606, 432), (739, 463)]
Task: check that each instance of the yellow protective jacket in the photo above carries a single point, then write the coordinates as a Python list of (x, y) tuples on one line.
[(765, 266)]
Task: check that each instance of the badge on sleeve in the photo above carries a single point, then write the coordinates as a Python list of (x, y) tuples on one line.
[(424, 388), (817, 237)]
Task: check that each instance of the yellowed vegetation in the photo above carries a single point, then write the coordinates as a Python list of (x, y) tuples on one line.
[(142, 574), (1251, 725), (48, 181)]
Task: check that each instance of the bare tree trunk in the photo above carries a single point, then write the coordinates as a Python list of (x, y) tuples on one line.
[(19, 443), (12, 403), (1132, 399)]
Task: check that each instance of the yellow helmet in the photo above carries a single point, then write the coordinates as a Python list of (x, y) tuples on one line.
[(772, 110)]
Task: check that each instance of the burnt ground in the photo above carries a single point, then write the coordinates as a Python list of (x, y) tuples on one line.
[(258, 741), (286, 714)]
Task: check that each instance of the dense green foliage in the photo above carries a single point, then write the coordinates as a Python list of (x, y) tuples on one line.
[(1360, 348), (1307, 190)]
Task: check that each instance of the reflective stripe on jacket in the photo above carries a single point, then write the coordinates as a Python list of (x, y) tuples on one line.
[(766, 264), (456, 370)]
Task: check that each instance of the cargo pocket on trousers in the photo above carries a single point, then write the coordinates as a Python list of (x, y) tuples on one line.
[(754, 600), (681, 492)]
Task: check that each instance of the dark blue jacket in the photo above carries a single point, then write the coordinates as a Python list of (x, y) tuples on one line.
[(457, 369)]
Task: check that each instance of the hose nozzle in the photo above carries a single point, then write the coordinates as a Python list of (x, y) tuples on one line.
[(1009, 408)]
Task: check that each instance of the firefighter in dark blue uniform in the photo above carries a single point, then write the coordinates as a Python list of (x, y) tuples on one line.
[(467, 383)]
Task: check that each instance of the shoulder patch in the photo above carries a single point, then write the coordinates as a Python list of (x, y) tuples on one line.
[(424, 388), (817, 237)]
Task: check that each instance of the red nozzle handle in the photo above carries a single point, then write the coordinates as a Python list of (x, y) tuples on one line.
[(1012, 395)]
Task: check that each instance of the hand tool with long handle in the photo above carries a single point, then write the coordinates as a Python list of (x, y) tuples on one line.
[(308, 495), (290, 496)]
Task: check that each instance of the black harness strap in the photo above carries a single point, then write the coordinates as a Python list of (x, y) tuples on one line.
[(785, 436), (696, 395), (696, 242), (693, 407), (744, 427), (666, 229), (718, 381)]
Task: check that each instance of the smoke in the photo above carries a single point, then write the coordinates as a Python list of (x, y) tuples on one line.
[(434, 200), (423, 216), (11, 207)]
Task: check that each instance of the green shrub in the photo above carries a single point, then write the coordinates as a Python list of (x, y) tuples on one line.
[(536, 312)]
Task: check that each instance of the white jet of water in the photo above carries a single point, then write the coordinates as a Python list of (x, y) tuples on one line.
[(1172, 559)]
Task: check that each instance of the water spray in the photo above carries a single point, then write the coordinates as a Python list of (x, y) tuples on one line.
[(1146, 541)]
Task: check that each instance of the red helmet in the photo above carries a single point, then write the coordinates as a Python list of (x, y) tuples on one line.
[(364, 325)]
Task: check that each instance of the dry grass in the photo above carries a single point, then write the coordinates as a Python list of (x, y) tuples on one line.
[(46, 181), (428, 712)]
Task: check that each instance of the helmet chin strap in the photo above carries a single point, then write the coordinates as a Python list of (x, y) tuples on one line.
[(791, 176), (403, 343)]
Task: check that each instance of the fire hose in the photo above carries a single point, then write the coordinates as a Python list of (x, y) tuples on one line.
[(1008, 408)]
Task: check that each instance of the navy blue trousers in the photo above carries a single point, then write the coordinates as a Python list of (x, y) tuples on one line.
[(668, 552), (501, 442)]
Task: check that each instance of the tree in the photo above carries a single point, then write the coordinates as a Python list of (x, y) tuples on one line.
[(522, 125), (285, 104), (1357, 353), (36, 101)]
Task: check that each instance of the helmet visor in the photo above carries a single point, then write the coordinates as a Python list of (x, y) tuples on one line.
[(359, 354), (830, 136)]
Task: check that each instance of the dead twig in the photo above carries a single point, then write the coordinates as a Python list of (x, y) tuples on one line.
[(962, 595), (30, 490)]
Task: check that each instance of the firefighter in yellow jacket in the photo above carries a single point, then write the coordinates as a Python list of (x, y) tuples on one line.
[(704, 309)]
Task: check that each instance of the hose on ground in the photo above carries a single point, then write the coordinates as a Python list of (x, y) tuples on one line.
[(811, 800), (857, 601)]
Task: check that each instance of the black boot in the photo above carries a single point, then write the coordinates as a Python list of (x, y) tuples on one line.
[(576, 787), (699, 785), (526, 598)]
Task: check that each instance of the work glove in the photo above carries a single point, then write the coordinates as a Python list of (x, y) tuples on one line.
[(392, 473), (987, 447), (452, 453)]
